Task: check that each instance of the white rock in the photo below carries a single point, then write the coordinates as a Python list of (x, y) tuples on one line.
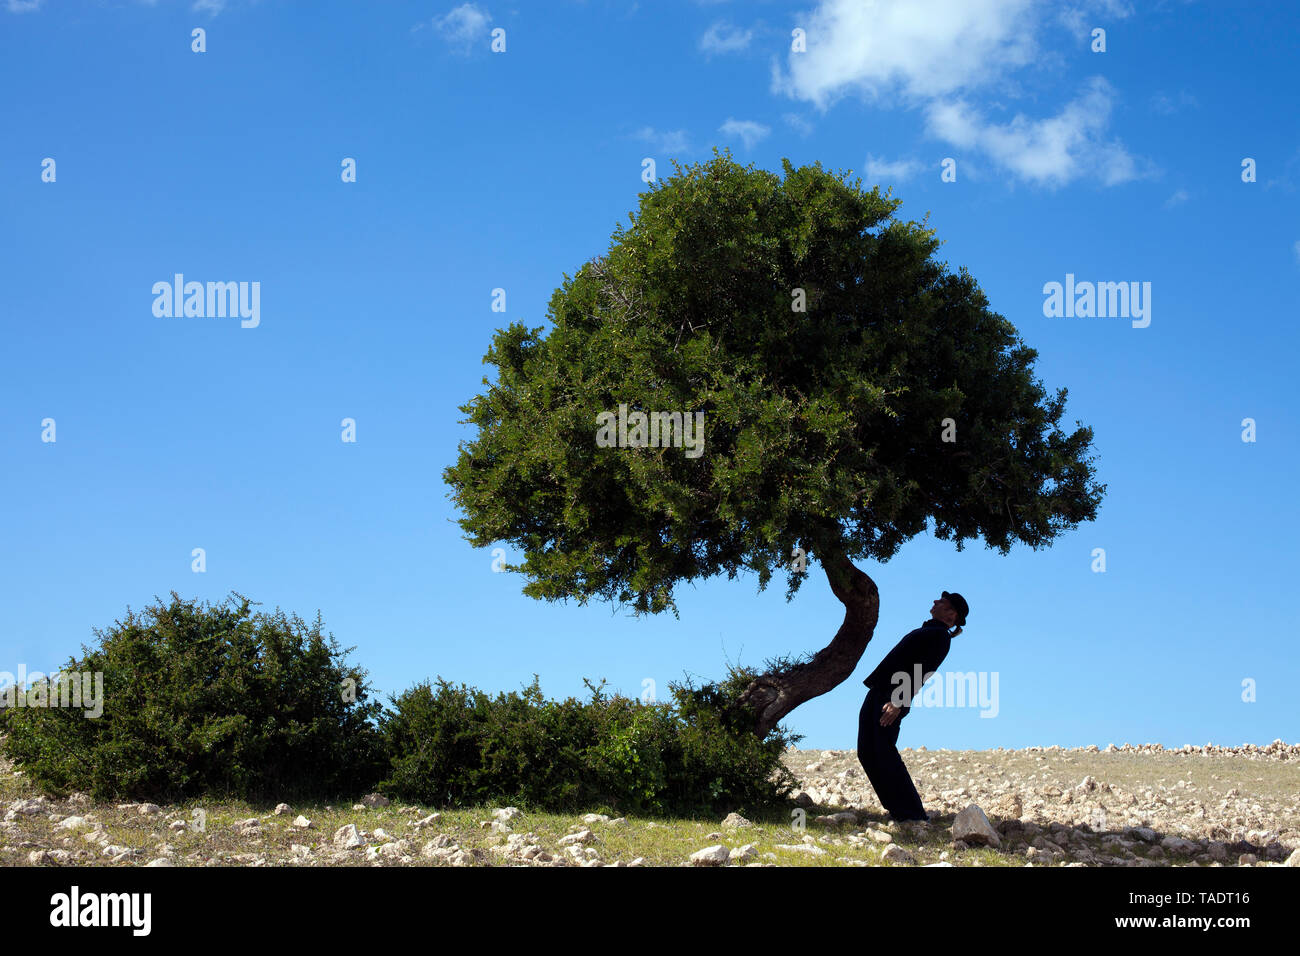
[(374, 800), (148, 809), (734, 821), (896, 854), (346, 837), (302, 823), (71, 823), (282, 808), (595, 818), (747, 852), (838, 819), (426, 821), (439, 847), (716, 855), (504, 814), (25, 808), (801, 848), (971, 826), (160, 861), (582, 836)]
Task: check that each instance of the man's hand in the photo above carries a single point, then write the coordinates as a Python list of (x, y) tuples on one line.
[(888, 714)]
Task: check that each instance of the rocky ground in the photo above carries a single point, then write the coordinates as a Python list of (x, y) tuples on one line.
[(1126, 806)]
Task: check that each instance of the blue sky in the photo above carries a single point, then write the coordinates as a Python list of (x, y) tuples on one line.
[(479, 170)]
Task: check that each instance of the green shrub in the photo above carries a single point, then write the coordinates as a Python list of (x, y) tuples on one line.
[(217, 702), (454, 746)]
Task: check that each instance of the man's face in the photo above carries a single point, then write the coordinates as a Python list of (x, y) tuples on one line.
[(943, 611)]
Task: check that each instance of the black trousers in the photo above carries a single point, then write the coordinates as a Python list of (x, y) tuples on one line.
[(878, 754)]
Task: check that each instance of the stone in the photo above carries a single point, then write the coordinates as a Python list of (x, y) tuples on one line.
[(838, 819), (281, 809), (716, 855), (302, 823), (346, 837), (808, 848), (582, 836), (744, 853), (595, 818), (896, 854), (373, 800), (504, 814), (733, 821), (25, 808), (971, 826)]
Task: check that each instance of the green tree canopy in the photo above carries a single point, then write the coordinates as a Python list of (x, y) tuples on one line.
[(824, 427)]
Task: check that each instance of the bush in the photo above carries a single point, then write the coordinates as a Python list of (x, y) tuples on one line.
[(218, 703), (454, 746)]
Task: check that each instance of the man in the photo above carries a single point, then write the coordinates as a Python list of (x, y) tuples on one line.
[(889, 698)]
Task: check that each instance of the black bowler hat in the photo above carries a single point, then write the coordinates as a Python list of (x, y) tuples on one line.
[(959, 605)]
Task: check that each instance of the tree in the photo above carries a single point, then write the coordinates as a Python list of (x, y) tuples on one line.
[(894, 398)]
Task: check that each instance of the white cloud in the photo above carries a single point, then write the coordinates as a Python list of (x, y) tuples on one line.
[(797, 123), (1081, 18), (667, 141), (1297, 250), (212, 7), (23, 6), (914, 49), (464, 26), (1177, 199), (882, 171), (747, 130), (940, 56), (1049, 151), (724, 38)]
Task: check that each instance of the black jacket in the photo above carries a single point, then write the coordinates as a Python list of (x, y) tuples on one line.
[(927, 645)]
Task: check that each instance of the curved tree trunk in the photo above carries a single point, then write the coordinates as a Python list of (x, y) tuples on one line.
[(774, 695)]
